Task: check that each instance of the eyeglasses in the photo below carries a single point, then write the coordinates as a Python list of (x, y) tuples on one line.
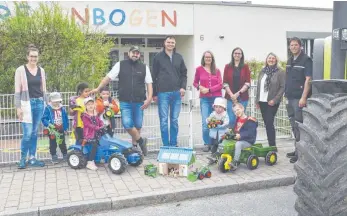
[(237, 53), (33, 56)]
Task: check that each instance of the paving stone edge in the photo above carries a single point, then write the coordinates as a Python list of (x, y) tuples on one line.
[(153, 198)]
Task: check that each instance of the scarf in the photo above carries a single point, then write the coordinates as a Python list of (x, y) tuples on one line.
[(269, 71)]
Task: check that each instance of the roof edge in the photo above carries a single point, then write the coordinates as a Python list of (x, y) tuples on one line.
[(239, 4)]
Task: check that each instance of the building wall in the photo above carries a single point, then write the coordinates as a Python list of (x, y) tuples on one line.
[(185, 46), (257, 30)]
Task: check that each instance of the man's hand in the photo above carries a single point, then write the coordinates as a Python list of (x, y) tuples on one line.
[(183, 92), (94, 91), (302, 102), (20, 114), (237, 136), (155, 98), (271, 103), (146, 103)]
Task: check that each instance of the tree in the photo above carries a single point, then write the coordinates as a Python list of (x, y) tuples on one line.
[(69, 53)]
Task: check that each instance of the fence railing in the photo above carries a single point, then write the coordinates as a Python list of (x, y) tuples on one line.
[(190, 133)]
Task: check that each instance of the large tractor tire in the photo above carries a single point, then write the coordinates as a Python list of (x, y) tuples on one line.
[(321, 184)]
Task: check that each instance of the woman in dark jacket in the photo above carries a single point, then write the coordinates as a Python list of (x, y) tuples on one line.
[(236, 82), (270, 91)]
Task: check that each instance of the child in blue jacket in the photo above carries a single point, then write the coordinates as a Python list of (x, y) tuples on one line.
[(245, 132), (55, 118)]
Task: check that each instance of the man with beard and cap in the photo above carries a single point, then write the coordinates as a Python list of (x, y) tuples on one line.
[(133, 77)]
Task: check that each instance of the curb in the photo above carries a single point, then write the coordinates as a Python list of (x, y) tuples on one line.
[(153, 198)]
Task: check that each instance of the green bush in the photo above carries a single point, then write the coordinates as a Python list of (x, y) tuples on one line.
[(69, 53), (256, 67)]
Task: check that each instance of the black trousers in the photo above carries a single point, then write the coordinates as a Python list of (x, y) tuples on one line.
[(295, 116), (79, 134), (92, 153), (53, 146), (268, 113)]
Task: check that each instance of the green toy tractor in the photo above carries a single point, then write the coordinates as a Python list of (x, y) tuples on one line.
[(151, 170), (203, 172), (249, 156)]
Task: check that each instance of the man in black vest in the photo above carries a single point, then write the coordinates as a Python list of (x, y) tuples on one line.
[(297, 87), (133, 74)]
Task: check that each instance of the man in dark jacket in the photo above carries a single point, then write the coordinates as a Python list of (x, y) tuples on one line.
[(169, 80), (245, 132), (133, 75), (297, 88)]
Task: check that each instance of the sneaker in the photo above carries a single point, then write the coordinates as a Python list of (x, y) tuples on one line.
[(64, 157), (135, 148), (55, 159), (293, 159), (291, 154), (22, 164), (233, 165), (143, 146), (91, 165), (207, 148), (36, 163)]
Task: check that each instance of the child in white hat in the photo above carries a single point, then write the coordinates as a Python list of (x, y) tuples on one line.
[(218, 121)]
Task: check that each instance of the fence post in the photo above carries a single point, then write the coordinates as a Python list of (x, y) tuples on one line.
[(190, 99)]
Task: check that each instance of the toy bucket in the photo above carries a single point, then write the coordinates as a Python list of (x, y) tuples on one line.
[(192, 177)]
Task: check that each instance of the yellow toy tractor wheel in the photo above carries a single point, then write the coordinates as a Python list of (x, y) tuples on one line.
[(252, 162), (271, 158), (221, 166)]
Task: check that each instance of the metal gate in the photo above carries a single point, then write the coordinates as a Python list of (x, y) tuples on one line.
[(190, 132)]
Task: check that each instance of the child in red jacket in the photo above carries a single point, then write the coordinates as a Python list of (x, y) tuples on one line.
[(245, 132), (91, 124)]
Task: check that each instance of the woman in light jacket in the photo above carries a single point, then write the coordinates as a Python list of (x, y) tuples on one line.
[(30, 94), (270, 91)]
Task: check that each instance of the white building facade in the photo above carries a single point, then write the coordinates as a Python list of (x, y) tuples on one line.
[(200, 26)]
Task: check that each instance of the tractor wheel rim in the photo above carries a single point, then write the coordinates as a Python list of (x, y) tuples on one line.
[(74, 160), (115, 164), (254, 162), (272, 158)]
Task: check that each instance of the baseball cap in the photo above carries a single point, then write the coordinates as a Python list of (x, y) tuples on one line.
[(55, 97), (87, 100), (134, 48)]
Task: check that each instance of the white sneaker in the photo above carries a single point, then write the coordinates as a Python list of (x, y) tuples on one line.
[(91, 165)]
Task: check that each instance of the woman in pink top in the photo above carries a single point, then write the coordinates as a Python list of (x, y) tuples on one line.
[(209, 82)]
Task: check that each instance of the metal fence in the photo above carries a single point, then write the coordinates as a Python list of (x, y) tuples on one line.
[(190, 133)]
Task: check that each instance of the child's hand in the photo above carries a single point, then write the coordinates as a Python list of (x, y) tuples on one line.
[(106, 103), (111, 105), (237, 136)]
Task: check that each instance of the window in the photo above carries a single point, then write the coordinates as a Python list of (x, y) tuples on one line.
[(128, 42), (155, 42)]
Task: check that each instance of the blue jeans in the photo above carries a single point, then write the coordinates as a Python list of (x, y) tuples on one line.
[(231, 114), (169, 101), (206, 109), (29, 140), (132, 114)]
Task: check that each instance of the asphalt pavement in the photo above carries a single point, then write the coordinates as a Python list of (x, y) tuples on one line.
[(269, 202)]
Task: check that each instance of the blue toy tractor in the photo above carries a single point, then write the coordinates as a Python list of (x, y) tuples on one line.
[(116, 152)]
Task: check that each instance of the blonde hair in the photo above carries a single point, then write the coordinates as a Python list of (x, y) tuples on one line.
[(277, 60), (238, 105)]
